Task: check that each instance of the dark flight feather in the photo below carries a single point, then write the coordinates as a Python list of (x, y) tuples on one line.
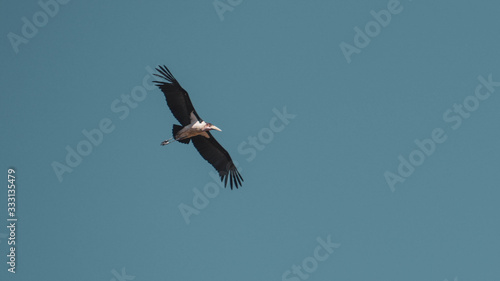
[(177, 98), (219, 158)]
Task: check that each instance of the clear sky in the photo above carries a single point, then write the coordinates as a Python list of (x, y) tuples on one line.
[(366, 133)]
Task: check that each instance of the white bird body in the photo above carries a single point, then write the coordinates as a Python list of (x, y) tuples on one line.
[(196, 128), (193, 129)]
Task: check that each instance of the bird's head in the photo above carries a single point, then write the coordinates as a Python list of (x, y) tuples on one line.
[(210, 126)]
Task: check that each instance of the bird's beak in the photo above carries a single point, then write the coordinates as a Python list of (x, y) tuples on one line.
[(215, 128)]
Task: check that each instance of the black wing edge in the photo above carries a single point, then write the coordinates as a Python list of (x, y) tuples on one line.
[(231, 173), (211, 150), (165, 74), (171, 86)]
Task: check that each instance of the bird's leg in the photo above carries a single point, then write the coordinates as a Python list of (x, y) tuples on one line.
[(165, 142)]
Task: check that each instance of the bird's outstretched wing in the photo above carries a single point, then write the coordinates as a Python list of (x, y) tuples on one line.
[(177, 98), (216, 155)]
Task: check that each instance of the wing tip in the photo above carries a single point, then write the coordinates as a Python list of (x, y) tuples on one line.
[(165, 74), (234, 177)]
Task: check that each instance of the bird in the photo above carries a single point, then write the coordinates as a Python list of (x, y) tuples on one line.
[(194, 129)]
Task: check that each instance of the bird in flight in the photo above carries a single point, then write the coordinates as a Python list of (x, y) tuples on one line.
[(195, 129)]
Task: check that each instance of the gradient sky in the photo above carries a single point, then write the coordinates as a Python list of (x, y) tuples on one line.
[(318, 175)]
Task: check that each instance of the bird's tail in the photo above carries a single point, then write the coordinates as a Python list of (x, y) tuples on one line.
[(175, 130)]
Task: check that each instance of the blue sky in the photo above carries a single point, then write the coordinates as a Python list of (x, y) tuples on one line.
[(375, 161)]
